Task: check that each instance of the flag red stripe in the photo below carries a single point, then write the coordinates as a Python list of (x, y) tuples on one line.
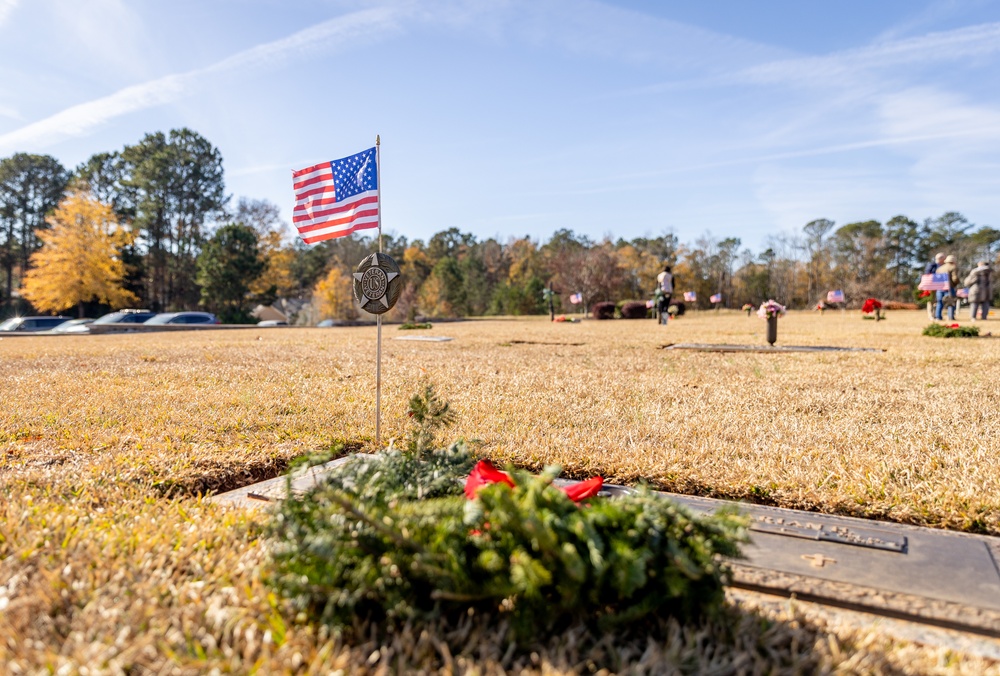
[(316, 224), (324, 179), (339, 233), (314, 210), (309, 170), (305, 197)]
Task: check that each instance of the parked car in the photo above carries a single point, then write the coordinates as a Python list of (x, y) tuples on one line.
[(272, 322), (183, 318), (70, 326), (128, 316), (31, 324)]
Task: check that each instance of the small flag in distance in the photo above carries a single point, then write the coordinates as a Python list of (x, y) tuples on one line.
[(690, 296), (835, 296), (576, 298), (333, 199), (716, 298)]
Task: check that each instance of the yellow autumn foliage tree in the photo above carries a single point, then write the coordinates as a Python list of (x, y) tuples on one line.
[(431, 298), (80, 258), (277, 277), (334, 294)]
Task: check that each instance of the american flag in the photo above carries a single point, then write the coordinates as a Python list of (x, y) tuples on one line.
[(576, 298), (690, 296), (962, 293), (835, 296), (934, 282), (333, 199), (715, 298)]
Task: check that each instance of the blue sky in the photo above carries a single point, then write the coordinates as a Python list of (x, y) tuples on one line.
[(520, 117)]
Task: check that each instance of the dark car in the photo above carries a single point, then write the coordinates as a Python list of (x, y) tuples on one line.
[(183, 318), (31, 324), (126, 317)]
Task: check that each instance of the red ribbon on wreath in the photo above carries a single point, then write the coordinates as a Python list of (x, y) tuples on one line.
[(484, 474)]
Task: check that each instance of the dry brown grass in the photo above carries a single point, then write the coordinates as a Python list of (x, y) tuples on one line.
[(108, 561)]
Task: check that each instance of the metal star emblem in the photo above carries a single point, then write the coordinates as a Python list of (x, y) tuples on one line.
[(377, 283)]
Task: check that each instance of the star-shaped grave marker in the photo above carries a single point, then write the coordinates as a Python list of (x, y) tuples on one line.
[(377, 283)]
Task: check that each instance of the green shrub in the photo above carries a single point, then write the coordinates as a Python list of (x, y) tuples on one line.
[(634, 309), (390, 538), (945, 331), (603, 310)]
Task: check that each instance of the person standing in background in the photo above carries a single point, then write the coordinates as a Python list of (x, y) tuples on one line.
[(947, 298), (665, 282), (980, 290)]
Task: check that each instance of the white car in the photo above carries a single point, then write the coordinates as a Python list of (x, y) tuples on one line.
[(74, 326)]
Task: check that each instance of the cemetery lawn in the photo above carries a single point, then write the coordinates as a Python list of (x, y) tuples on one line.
[(110, 559)]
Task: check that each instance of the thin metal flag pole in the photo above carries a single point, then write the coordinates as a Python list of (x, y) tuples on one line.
[(378, 317)]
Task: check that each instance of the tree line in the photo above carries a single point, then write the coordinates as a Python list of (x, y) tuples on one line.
[(173, 240)]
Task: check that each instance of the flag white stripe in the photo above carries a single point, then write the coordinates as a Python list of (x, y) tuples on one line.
[(351, 217), (302, 205), (341, 209), (327, 182), (318, 169), (359, 224), (340, 216)]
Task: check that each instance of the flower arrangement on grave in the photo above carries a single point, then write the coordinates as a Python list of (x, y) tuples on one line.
[(872, 309), (398, 537), (748, 308), (772, 309)]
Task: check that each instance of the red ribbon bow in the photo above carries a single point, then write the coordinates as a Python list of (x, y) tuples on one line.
[(484, 473), (870, 306)]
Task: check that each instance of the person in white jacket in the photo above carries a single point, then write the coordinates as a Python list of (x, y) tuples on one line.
[(665, 282)]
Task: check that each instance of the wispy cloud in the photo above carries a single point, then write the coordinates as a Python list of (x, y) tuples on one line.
[(943, 158), (962, 43), (925, 16), (848, 67), (85, 117), (6, 7)]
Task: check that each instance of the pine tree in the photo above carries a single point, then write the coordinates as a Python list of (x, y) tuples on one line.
[(80, 259), (227, 266)]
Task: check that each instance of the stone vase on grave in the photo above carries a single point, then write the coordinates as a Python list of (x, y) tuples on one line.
[(772, 330)]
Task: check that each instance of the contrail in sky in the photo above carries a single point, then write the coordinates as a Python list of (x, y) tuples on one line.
[(81, 118)]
